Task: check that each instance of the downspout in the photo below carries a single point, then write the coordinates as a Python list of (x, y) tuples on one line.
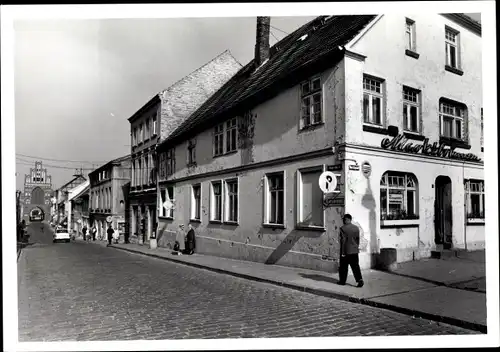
[(465, 206)]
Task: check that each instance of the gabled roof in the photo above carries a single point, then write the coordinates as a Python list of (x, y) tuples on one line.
[(312, 47), (79, 190), (116, 161), (74, 179), (156, 99)]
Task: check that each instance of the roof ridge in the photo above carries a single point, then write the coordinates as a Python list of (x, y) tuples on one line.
[(198, 69)]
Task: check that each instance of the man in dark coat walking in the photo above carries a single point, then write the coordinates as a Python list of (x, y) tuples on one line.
[(349, 251), (110, 234), (190, 243)]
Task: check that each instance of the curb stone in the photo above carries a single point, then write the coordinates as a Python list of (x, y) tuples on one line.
[(319, 292)]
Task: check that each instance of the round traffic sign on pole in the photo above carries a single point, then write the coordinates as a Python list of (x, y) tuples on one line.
[(327, 182)]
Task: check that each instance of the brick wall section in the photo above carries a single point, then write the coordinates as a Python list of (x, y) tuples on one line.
[(184, 97)]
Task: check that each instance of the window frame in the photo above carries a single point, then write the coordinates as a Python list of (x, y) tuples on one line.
[(227, 203), (170, 162), (371, 94), (231, 126), (218, 140), (267, 200), (196, 208), (407, 104), (449, 43), (299, 218), (212, 212), (147, 127), (309, 96), (410, 27), (414, 218), (153, 123), (462, 118), (470, 216), (191, 152)]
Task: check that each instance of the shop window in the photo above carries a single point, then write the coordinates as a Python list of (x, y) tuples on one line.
[(373, 100), (231, 201), (311, 100), (216, 201), (474, 194), (398, 196), (275, 199), (196, 202), (411, 109), (310, 198)]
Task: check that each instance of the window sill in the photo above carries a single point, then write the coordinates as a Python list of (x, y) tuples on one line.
[(310, 228), (312, 126), (414, 135), (232, 223), (454, 70), (412, 54), (453, 142), (198, 221), (274, 226), (375, 129), (475, 221), (399, 223), (215, 222), (166, 218)]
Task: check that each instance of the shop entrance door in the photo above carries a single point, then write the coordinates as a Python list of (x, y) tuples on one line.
[(443, 213)]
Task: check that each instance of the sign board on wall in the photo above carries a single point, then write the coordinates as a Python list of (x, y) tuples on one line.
[(337, 167), (327, 182), (354, 167)]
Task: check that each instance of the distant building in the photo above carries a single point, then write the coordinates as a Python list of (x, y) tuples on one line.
[(78, 208), (108, 195), (37, 192), (60, 205), (154, 122), (391, 104)]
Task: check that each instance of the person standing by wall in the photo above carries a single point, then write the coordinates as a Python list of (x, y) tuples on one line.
[(110, 234), (349, 251), (190, 240)]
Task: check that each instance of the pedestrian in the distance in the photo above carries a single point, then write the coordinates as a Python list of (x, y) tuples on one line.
[(84, 232), (110, 234), (179, 237), (94, 233), (349, 251), (116, 236), (190, 240)]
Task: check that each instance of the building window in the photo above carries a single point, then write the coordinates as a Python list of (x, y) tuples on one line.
[(398, 196), (167, 202), (146, 169), (275, 199), (231, 201), (219, 140), (411, 109), (474, 193), (154, 125), (231, 135), (147, 126), (139, 173), (196, 202), (162, 167), (452, 45), (410, 35), (170, 156), (141, 134), (311, 102), (310, 198), (191, 152), (373, 97), (216, 201), (133, 173), (452, 118)]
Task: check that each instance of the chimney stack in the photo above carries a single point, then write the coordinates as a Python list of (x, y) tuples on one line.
[(262, 41)]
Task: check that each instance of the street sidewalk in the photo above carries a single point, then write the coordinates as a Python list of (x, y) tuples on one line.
[(421, 288)]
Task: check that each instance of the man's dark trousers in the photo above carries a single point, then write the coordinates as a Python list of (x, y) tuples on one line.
[(346, 261)]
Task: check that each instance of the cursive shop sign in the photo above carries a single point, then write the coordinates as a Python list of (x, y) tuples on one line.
[(400, 143)]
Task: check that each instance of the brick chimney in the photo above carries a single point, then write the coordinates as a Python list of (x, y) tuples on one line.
[(262, 41)]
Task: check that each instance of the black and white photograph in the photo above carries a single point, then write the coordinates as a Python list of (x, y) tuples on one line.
[(248, 176)]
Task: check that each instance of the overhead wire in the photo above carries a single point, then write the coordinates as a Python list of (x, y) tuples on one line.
[(279, 29), (61, 160)]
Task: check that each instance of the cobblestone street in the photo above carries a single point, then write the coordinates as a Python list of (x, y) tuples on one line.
[(78, 291)]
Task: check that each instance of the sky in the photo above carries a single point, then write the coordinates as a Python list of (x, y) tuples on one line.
[(78, 81)]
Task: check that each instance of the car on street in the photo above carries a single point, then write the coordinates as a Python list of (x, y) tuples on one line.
[(61, 234)]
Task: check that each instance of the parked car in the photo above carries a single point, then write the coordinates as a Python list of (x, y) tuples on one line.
[(61, 234)]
